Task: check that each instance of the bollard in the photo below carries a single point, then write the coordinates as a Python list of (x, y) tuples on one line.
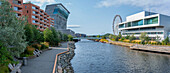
[(24, 61)]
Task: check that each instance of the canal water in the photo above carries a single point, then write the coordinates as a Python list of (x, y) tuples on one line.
[(96, 57)]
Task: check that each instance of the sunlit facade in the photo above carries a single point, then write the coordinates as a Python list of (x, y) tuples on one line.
[(153, 24)]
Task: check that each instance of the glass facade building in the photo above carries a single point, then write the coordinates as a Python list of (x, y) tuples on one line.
[(61, 11)]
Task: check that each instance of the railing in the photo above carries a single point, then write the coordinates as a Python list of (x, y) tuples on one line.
[(67, 55)]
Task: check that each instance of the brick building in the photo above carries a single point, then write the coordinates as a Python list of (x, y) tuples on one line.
[(17, 6), (37, 16)]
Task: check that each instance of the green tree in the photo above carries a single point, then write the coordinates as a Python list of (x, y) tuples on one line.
[(29, 33), (110, 36), (12, 29), (103, 37), (55, 37), (132, 38), (120, 35), (127, 37), (116, 38), (37, 34), (70, 38), (65, 37), (98, 36), (48, 36), (143, 37), (166, 41)]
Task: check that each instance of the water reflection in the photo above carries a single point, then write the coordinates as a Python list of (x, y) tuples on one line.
[(95, 57)]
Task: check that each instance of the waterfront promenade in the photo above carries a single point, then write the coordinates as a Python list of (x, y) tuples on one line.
[(44, 63), (147, 48)]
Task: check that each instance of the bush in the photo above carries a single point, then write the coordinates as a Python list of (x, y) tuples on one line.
[(4, 69), (30, 50), (44, 45), (70, 38), (126, 40), (122, 39), (37, 46)]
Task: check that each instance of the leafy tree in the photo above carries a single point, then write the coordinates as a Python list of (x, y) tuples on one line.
[(110, 36), (29, 33), (132, 38), (122, 38), (98, 36), (116, 38), (12, 29), (103, 37), (127, 37), (37, 34), (120, 35), (55, 37), (70, 38), (143, 37), (65, 37), (166, 41), (48, 35), (5, 56)]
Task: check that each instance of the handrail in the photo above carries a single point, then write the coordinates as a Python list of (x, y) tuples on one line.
[(56, 60)]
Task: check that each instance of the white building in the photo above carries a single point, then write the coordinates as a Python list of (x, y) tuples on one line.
[(153, 24)]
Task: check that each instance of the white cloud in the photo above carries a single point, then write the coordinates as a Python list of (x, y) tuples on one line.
[(73, 26), (41, 3), (161, 6)]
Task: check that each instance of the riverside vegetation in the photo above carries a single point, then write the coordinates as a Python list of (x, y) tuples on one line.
[(143, 39), (20, 39)]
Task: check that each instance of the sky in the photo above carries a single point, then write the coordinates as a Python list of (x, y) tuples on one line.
[(94, 17)]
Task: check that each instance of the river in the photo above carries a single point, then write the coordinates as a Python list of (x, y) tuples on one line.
[(96, 57)]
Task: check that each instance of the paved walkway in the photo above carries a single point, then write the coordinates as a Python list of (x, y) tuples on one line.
[(44, 63)]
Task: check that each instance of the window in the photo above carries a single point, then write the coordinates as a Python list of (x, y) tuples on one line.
[(151, 21), (33, 12), (33, 17), (121, 25), (27, 11), (33, 7), (55, 11), (0, 3), (25, 7), (137, 23), (128, 24), (16, 8)]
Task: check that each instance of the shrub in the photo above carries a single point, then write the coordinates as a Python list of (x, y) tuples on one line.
[(37, 46), (30, 50), (103, 40), (44, 45), (126, 40), (70, 38), (122, 39), (4, 69)]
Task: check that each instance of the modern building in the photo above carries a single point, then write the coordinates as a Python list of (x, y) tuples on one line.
[(37, 16), (153, 24), (17, 6), (60, 15)]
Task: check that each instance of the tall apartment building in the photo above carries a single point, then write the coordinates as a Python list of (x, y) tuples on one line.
[(17, 6), (153, 24), (37, 16)]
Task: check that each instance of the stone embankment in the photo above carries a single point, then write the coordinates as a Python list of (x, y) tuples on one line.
[(146, 48), (62, 63)]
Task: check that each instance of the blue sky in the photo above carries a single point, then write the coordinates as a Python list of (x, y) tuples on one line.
[(96, 16)]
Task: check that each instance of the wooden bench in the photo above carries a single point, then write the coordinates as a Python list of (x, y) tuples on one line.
[(15, 69)]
